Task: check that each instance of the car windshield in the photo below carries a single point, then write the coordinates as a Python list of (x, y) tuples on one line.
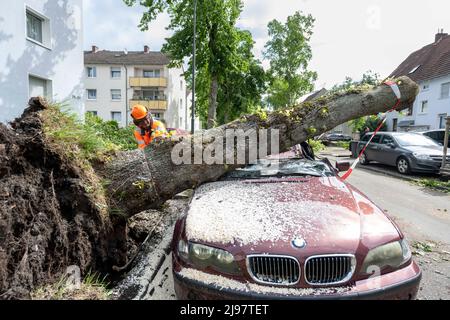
[(406, 140), (285, 168)]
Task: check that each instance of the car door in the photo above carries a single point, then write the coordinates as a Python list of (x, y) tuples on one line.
[(373, 148), (387, 150)]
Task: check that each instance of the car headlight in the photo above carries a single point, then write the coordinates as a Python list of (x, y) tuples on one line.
[(183, 249), (205, 256), (393, 254), (421, 156)]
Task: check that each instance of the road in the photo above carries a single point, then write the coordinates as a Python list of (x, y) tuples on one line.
[(423, 215)]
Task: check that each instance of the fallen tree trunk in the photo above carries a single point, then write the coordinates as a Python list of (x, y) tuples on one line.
[(143, 180)]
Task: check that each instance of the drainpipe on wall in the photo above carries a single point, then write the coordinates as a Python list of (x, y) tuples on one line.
[(126, 95)]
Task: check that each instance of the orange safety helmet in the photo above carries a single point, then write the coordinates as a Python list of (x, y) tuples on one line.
[(139, 112)]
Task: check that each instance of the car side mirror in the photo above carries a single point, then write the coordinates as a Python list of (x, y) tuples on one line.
[(342, 166), (392, 145)]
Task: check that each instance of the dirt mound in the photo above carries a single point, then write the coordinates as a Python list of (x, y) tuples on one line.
[(47, 219)]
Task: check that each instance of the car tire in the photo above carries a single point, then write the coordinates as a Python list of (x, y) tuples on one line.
[(363, 160), (403, 166)]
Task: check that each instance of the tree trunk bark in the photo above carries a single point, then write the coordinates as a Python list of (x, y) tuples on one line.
[(143, 180), (212, 110)]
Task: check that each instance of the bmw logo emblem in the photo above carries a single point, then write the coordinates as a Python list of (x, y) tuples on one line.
[(299, 243)]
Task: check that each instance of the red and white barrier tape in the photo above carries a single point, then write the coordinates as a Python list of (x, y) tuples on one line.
[(397, 93)]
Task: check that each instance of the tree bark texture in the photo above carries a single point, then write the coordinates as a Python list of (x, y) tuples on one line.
[(212, 110)]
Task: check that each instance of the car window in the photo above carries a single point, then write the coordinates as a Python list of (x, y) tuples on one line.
[(406, 140), (282, 168), (387, 140), (366, 138), (440, 135), (432, 135), (376, 139)]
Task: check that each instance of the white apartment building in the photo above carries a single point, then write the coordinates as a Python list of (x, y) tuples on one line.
[(41, 54), (430, 68), (115, 81)]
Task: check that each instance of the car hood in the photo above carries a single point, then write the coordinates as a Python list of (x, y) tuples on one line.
[(429, 150), (257, 216)]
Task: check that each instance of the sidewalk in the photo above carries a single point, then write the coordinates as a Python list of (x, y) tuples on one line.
[(335, 152)]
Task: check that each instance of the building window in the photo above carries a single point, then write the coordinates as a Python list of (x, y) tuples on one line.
[(39, 87), (442, 120), (92, 113), (116, 116), (153, 95), (395, 125), (92, 72), (38, 28), (152, 73), (426, 87), (92, 94), (181, 84), (116, 94), (34, 27), (181, 104), (157, 115), (445, 90), (424, 107), (115, 73)]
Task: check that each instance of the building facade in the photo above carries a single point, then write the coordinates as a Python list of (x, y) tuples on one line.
[(41, 54), (115, 81), (430, 68)]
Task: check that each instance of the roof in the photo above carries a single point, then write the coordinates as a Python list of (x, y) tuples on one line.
[(120, 58), (432, 61)]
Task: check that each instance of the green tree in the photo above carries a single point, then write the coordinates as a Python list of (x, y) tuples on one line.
[(289, 53), (241, 89), (218, 43)]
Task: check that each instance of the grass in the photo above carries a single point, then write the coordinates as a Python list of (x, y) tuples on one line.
[(435, 184), (93, 287), (342, 144), (316, 145), (93, 139)]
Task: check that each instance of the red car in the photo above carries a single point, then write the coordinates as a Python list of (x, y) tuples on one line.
[(289, 230)]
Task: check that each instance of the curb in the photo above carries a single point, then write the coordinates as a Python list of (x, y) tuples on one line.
[(388, 173)]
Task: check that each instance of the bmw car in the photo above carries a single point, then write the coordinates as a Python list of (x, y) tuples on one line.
[(289, 228)]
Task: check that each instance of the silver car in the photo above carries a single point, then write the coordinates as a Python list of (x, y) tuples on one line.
[(409, 152)]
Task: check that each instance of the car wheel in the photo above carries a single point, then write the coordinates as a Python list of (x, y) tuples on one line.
[(363, 160), (403, 166)]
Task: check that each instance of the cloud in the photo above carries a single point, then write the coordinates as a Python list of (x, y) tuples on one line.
[(111, 25)]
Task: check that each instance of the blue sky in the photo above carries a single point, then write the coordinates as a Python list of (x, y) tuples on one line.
[(350, 36)]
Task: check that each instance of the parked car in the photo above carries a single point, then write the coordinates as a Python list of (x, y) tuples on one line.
[(289, 230), (336, 137), (409, 152), (437, 135)]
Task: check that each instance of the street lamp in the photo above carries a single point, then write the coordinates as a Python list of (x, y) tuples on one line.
[(193, 69)]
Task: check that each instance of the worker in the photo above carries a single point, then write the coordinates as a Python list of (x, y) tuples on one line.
[(148, 129)]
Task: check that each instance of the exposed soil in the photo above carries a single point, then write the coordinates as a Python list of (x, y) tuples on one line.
[(48, 220)]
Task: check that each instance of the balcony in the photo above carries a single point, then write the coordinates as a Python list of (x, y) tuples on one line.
[(150, 104), (148, 82)]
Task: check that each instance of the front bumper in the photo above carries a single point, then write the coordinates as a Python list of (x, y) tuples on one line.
[(423, 165), (402, 284)]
